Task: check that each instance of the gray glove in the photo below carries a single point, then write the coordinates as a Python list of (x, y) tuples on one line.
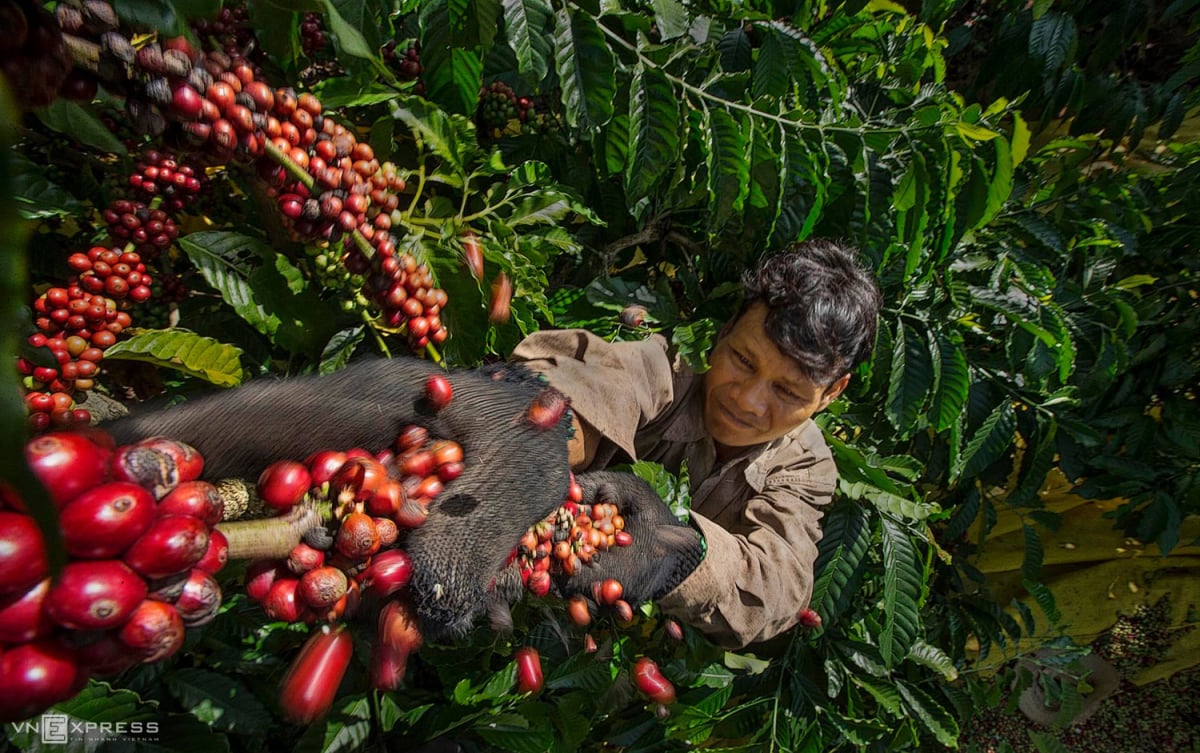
[(515, 473)]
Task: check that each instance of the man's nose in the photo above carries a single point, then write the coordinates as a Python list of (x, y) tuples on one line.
[(751, 397)]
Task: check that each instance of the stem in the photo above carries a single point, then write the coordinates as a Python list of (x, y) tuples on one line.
[(280, 157), (273, 538), (378, 340), (822, 129)]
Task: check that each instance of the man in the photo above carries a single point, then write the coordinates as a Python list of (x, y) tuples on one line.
[(759, 467)]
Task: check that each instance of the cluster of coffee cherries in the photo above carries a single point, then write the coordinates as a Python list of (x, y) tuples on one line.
[(312, 34), (138, 526), (159, 175), (407, 64), (499, 104), (77, 323)]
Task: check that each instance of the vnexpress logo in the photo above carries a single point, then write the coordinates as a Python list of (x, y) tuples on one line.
[(53, 728)]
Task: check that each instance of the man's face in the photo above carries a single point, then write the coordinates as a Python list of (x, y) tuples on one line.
[(754, 393)]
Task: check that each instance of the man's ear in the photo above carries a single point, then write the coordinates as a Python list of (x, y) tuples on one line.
[(833, 391)]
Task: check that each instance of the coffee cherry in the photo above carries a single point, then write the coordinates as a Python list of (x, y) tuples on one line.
[(357, 537), (283, 484), (438, 391), (94, 595), (22, 616), (199, 499), (577, 610), (809, 618), (173, 544), (200, 600), (35, 676), (529, 669), (261, 575), (23, 560), (66, 464), (649, 680), (104, 521), (282, 602), (322, 587), (499, 307), (217, 555), (154, 631)]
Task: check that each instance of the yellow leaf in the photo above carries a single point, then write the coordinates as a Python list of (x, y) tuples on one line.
[(972, 131)]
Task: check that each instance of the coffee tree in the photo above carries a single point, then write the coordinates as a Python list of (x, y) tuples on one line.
[(203, 193)]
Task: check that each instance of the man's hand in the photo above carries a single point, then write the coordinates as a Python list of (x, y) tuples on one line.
[(664, 551), (515, 472)]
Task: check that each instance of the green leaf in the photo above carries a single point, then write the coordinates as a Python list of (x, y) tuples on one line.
[(930, 713), (1052, 39), (226, 260), (450, 137), (350, 39), (346, 729), (1001, 184), (885, 693), (1031, 565), (35, 196), (1046, 742), (736, 50), (841, 554), (1045, 600), (654, 130), (909, 380), (901, 592), (340, 349), (989, 443), (954, 380), (772, 72), (905, 195), (81, 124), (1135, 281), (693, 341), (184, 351), (525, 25), (929, 655), (147, 728), (1020, 139), (671, 18), (586, 69), (728, 167), (452, 73), (515, 732), (159, 15), (222, 701)]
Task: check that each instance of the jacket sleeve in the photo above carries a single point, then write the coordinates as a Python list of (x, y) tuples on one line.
[(616, 387), (757, 576)]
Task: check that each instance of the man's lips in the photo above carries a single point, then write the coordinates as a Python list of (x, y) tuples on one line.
[(733, 418)]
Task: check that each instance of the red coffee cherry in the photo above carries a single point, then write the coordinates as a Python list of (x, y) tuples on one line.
[(438, 391), (200, 599), (23, 560), (35, 676), (283, 484), (94, 595), (154, 631), (67, 464), (650, 680), (22, 617), (199, 499), (529, 669), (173, 544), (104, 521), (388, 572)]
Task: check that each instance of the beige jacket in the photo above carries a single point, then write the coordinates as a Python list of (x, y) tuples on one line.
[(759, 512)]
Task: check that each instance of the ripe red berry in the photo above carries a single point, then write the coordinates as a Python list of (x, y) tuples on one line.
[(200, 599), (199, 499), (529, 669), (66, 463), (172, 544), (438, 391), (23, 560), (311, 683), (35, 676), (154, 631), (104, 521), (650, 680), (388, 572), (94, 595), (22, 616), (809, 618), (283, 484)]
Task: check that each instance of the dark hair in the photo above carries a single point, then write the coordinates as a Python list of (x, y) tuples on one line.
[(822, 306)]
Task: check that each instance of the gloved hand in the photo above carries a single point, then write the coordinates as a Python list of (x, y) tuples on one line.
[(515, 473), (664, 551)]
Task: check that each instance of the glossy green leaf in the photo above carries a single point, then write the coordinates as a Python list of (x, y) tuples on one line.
[(1045, 600), (1031, 564), (989, 443), (840, 559), (930, 713), (1052, 38), (736, 50), (452, 73), (953, 383), (526, 22), (901, 596), (349, 38), (80, 123), (450, 137), (184, 351), (728, 167), (345, 729), (220, 700), (910, 379), (586, 69), (654, 128), (671, 18), (933, 657)]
